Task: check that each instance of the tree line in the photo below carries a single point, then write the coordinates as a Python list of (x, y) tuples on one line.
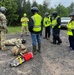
[(16, 9)]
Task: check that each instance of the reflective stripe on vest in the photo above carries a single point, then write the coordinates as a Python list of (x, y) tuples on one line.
[(70, 27), (54, 22), (37, 22), (47, 21)]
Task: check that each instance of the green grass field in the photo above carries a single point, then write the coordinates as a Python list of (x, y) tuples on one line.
[(14, 29)]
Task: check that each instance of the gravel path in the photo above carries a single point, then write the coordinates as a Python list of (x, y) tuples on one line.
[(54, 59)]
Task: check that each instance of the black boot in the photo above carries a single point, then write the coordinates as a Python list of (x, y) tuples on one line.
[(39, 48), (54, 40), (59, 41), (34, 50)]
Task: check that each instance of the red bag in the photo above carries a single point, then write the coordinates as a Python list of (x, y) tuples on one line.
[(28, 56)]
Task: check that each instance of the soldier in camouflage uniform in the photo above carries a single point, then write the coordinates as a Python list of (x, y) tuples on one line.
[(3, 28)]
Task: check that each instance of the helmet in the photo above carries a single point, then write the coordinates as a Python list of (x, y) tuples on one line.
[(46, 14), (3, 9), (25, 14), (55, 13), (34, 9), (23, 41), (72, 14)]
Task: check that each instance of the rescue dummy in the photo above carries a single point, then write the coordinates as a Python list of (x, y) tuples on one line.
[(13, 41), (19, 49)]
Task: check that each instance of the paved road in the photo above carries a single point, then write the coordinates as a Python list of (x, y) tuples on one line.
[(54, 59)]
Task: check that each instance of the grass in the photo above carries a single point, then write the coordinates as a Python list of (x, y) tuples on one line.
[(14, 29)]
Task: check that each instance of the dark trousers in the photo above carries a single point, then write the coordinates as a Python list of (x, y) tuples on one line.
[(47, 32), (56, 35), (71, 41)]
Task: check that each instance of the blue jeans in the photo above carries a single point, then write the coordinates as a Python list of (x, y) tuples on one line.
[(35, 37)]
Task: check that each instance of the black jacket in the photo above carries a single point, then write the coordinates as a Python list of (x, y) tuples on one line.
[(31, 25), (58, 22)]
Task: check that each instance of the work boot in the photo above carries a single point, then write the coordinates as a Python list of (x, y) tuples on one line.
[(54, 40), (39, 48), (59, 41), (53, 43), (34, 50)]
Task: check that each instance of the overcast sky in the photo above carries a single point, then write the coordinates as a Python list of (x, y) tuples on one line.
[(56, 2)]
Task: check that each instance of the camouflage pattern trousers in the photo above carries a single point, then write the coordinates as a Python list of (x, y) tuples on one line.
[(2, 38), (24, 29)]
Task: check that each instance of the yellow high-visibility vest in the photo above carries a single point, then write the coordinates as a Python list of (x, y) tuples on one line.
[(37, 22), (24, 21), (54, 22), (46, 22), (70, 27)]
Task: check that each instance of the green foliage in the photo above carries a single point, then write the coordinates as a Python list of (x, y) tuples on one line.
[(51, 10), (63, 11), (45, 6), (20, 9), (71, 7), (27, 9), (34, 4), (11, 10), (42, 10), (16, 9)]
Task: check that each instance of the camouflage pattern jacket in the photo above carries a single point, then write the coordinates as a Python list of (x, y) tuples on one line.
[(3, 21)]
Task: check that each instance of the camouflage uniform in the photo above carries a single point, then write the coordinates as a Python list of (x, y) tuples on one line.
[(19, 49), (3, 28)]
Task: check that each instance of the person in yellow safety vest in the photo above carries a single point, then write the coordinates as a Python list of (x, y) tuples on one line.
[(47, 23), (70, 31), (35, 28), (24, 21), (56, 22)]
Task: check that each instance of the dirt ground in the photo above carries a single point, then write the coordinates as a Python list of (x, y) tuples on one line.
[(54, 59)]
